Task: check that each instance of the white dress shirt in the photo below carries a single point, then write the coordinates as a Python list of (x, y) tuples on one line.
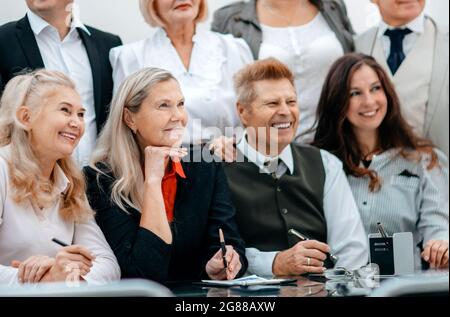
[(26, 230), (346, 236), (70, 57), (208, 83), (309, 51), (417, 26)]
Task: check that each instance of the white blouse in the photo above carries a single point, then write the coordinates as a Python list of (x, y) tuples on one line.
[(26, 231), (309, 51), (208, 83)]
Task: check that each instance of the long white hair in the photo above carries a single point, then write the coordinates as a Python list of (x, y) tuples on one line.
[(24, 171), (117, 147)]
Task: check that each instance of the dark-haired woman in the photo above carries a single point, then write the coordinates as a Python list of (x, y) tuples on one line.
[(306, 35), (397, 178)]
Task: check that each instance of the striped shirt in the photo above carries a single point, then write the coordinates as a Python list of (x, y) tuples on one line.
[(412, 198)]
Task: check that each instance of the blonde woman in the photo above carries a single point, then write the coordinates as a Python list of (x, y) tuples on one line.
[(42, 193), (202, 61), (160, 216)]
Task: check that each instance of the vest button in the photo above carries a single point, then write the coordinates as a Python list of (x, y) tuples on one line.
[(279, 189), (284, 211)]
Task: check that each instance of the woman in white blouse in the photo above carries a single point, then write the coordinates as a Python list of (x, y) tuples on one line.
[(42, 192), (306, 35), (203, 62)]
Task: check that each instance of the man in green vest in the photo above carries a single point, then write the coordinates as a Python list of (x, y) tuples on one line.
[(279, 188)]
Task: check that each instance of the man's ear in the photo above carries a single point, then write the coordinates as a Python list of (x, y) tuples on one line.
[(129, 121), (243, 112), (23, 115)]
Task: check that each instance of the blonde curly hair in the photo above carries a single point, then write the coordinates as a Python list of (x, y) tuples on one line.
[(24, 170)]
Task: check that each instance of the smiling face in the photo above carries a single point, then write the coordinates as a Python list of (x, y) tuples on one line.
[(368, 103), (177, 11), (275, 110), (161, 118), (400, 12), (58, 125)]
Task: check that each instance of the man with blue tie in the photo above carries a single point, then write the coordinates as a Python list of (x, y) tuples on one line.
[(414, 49)]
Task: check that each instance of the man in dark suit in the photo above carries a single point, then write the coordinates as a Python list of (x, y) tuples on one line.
[(51, 37)]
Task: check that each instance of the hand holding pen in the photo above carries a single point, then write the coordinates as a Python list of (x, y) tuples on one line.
[(307, 256), (68, 260), (330, 256), (71, 261), (225, 264), (223, 248)]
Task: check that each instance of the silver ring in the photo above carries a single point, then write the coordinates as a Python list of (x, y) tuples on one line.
[(308, 259)]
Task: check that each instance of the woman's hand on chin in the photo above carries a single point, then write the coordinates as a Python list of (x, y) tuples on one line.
[(155, 161)]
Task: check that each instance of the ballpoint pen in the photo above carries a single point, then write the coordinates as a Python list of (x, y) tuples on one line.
[(333, 258), (57, 241), (223, 248), (381, 230)]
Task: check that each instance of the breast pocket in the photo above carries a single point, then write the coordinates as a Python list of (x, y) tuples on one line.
[(406, 182)]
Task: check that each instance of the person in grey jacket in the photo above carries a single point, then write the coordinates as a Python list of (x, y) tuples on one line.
[(306, 35)]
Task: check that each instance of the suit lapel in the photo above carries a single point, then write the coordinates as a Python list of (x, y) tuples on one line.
[(440, 70), (29, 45), (381, 58), (365, 42), (94, 61), (370, 44)]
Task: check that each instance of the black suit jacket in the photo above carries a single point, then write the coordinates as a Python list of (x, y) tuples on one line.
[(19, 51), (202, 206)]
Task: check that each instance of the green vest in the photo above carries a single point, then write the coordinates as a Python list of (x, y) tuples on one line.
[(266, 207)]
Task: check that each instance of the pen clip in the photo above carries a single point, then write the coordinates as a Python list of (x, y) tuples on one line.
[(381, 230)]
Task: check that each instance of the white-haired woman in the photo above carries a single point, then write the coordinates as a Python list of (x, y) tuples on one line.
[(203, 62), (42, 193), (160, 215)]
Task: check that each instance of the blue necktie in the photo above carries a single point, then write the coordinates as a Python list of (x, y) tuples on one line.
[(397, 54)]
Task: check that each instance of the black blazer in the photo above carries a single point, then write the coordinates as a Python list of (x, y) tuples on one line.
[(19, 51), (202, 206)]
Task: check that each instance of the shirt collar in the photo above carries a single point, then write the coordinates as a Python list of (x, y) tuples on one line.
[(177, 169), (200, 35), (38, 24), (61, 181), (417, 25), (259, 159), (76, 23)]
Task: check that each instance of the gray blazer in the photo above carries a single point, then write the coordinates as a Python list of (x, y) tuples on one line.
[(241, 20), (437, 116)]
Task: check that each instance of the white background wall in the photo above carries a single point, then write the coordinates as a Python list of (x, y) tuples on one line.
[(122, 17)]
